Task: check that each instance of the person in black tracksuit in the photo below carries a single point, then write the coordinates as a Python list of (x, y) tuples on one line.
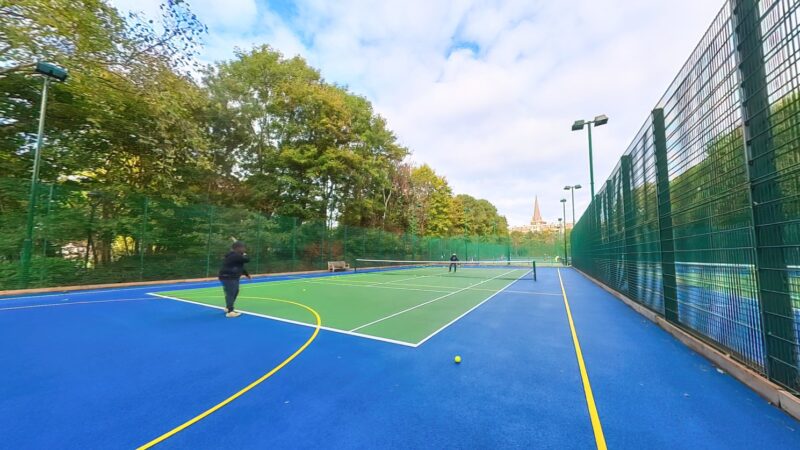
[(229, 274), (453, 265)]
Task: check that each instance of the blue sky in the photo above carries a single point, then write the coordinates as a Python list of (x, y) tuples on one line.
[(483, 91)]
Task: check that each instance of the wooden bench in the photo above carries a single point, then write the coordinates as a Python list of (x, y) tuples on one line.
[(338, 266)]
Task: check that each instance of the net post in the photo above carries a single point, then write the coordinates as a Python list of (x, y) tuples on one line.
[(534, 270)]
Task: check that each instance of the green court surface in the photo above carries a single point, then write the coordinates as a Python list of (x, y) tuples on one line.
[(402, 306)]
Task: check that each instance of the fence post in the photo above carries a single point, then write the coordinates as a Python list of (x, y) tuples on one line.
[(142, 237), (630, 268), (258, 242), (665, 231), (45, 230), (45, 227), (294, 243), (323, 249), (208, 241), (364, 234), (770, 222)]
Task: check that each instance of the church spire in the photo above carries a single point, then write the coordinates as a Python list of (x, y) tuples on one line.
[(537, 216)]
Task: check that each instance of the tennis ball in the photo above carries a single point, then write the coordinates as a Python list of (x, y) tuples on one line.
[(458, 359)]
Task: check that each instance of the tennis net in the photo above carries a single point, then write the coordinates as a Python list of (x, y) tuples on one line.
[(499, 270)]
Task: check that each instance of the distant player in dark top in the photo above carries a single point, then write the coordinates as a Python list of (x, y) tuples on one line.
[(453, 265), (229, 274)]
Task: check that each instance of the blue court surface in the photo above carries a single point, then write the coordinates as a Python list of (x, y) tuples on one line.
[(119, 368)]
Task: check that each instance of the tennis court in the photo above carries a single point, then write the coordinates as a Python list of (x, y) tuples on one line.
[(406, 304), (555, 362)]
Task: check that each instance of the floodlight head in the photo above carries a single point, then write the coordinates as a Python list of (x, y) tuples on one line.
[(578, 125), (566, 188), (602, 119), (563, 200), (51, 70), (577, 186)]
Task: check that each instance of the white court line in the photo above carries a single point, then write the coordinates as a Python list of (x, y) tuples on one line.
[(367, 282), (526, 292), (430, 301), (102, 291), (402, 279), (75, 303), (373, 283), (487, 290), (172, 286), (351, 332), (264, 316), (440, 291), (410, 287), (470, 310)]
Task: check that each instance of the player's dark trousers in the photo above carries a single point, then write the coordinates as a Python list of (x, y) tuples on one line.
[(231, 288), (452, 267)]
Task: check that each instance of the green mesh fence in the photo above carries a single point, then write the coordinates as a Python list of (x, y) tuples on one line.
[(84, 237), (700, 220)]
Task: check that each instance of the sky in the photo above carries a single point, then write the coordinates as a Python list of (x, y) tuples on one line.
[(484, 91)]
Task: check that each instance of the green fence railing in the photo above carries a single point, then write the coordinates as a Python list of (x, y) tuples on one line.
[(700, 220), (95, 237)]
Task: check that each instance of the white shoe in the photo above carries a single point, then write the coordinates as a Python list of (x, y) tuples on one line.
[(233, 314)]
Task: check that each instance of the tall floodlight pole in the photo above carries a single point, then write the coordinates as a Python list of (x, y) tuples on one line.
[(560, 225), (49, 71), (578, 125), (572, 188), (564, 215)]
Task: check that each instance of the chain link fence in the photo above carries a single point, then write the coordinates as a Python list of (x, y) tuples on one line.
[(700, 220), (91, 237)]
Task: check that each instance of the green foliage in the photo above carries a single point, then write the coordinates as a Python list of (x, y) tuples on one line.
[(546, 245), (304, 148), (147, 164)]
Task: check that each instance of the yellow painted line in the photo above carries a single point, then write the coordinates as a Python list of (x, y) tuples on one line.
[(250, 386), (587, 388)]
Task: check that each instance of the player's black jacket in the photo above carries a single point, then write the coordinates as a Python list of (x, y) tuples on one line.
[(454, 258), (233, 266)]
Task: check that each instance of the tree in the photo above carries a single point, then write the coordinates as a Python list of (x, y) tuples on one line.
[(477, 217), (430, 196), (303, 147)]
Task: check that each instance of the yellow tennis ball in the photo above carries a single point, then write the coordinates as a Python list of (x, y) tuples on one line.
[(458, 359)]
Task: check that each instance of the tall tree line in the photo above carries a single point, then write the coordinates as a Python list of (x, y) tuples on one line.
[(261, 131)]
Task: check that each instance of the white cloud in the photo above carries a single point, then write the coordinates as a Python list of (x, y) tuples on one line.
[(226, 15), (495, 123)]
